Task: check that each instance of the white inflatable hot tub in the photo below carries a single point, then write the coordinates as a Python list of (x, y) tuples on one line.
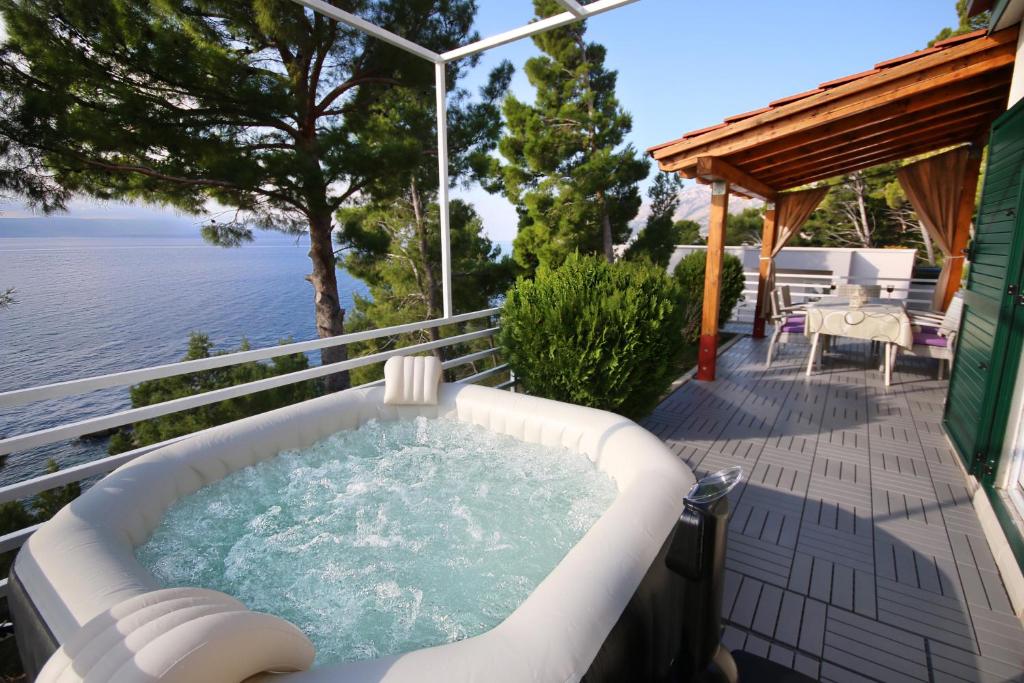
[(77, 587)]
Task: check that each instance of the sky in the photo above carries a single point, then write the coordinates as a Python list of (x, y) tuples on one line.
[(684, 65)]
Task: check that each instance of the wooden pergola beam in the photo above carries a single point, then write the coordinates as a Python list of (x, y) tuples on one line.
[(912, 79), (707, 350), (962, 97), (968, 94), (881, 157), (882, 135), (716, 168), (788, 177)]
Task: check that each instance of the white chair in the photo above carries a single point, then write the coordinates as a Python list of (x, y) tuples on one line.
[(787, 322), (935, 333), (786, 300)]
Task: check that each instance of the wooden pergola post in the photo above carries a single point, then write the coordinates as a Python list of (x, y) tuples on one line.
[(708, 350), (763, 266), (965, 214)]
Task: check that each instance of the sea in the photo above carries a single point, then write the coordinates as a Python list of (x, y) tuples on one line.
[(95, 305)]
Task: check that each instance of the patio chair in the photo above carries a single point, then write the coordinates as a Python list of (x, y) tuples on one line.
[(787, 300), (935, 333), (788, 322)]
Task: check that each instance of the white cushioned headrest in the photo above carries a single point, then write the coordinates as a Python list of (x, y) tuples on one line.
[(411, 380), (178, 635)]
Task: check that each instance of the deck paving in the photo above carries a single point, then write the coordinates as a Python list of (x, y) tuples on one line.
[(854, 550)]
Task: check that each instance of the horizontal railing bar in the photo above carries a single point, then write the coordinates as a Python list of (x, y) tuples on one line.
[(454, 362), (16, 539), (91, 425), (483, 374), (469, 358), (818, 276), (506, 384), (76, 473), (78, 386)]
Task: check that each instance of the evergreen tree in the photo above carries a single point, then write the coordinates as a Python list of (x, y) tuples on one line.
[(394, 235), (252, 104), (187, 421), (689, 232), (745, 227), (573, 182), (965, 23), (660, 233), (399, 289)]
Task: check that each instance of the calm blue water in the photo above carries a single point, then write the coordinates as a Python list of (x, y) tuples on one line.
[(90, 306)]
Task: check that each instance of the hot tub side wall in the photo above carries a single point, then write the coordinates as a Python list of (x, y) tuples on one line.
[(36, 642), (646, 640)]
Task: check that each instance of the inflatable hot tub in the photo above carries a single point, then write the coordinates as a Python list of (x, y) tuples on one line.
[(85, 609)]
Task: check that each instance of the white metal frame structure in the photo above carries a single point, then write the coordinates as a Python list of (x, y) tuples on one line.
[(22, 442), (574, 12)]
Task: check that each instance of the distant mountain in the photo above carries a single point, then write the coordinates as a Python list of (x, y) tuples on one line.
[(695, 205)]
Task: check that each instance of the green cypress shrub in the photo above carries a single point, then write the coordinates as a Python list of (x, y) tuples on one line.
[(595, 334), (689, 273)]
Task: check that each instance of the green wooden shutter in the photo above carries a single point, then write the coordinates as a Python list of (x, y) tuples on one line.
[(988, 304)]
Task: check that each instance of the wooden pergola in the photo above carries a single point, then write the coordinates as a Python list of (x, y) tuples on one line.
[(932, 99)]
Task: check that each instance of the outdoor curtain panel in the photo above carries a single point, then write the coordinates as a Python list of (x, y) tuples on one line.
[(933, 186), (792, 209)]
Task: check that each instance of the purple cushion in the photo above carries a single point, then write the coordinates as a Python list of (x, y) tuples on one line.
[(927, 329), (794, 323), (930, 339)]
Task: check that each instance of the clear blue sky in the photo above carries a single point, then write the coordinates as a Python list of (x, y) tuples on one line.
[(685, 64)]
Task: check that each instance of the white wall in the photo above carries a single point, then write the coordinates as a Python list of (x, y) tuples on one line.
[(858, 264), (1017, 83)]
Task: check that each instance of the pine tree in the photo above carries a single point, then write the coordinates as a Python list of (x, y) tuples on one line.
[(567, 171), (250, 104), (188, 421), (965, 22), (660, 234), (393, 234)]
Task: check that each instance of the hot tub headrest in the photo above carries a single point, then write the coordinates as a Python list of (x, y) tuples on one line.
[(185, 635), (411, 380)]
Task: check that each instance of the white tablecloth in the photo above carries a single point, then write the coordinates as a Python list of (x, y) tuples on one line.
[(874, 322)]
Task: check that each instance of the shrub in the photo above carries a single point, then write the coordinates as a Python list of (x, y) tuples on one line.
[(690, 276), (595, 334)]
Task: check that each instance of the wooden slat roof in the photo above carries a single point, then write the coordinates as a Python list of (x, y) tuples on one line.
[(933, 98)]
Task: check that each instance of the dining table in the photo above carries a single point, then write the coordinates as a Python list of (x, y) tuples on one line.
[(879, 320)]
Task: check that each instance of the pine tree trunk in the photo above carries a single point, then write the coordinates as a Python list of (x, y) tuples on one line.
[(928, 247), (433, 293), (330, 317), (606, 230)]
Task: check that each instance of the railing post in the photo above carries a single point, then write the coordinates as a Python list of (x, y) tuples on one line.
[(442, 188)]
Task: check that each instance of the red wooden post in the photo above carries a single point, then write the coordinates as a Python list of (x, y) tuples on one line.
[(708, 350)]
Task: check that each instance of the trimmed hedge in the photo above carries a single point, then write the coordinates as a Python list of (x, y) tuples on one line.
[(595, 334), (689, 273)]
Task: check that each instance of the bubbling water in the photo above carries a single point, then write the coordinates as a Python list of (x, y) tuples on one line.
[(387, 538)]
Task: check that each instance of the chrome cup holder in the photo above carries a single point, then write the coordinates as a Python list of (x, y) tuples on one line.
[(715, 485)]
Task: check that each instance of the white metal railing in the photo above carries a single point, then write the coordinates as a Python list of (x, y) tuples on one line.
[(78, 473), (917, 292)]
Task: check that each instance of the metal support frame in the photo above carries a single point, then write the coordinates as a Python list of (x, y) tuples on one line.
[(574, 12), (440, 76)]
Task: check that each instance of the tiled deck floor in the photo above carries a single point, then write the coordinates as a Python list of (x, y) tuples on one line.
[(854, 551)]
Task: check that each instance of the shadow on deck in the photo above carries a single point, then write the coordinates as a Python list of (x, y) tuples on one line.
[(854, 552)]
